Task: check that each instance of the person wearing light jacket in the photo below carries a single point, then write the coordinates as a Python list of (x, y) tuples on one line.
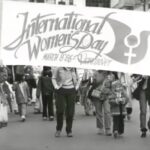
[(66, 83)]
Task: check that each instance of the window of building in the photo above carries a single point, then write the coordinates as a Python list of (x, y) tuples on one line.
[(98, 3)]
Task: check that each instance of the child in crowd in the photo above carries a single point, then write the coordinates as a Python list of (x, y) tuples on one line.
[(46, 90), (22, 95), (118, 100)]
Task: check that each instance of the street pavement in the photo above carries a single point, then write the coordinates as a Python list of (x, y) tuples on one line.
[(36, 134)]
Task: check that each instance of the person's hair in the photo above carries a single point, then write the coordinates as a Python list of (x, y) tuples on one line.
[(47, 71), (105, 73), (19, 78)]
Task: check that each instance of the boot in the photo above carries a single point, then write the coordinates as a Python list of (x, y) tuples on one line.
[(115, 134), (143, 135)]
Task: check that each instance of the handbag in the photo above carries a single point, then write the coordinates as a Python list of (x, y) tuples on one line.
[(96, 93)]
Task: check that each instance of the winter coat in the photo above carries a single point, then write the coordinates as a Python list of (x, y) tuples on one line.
[(45, 86), (117, 104), (21, 96)]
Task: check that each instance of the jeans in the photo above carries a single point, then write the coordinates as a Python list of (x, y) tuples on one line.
[(143, 110), (47, 101), (118, 123), (65, 104), (103, 115)]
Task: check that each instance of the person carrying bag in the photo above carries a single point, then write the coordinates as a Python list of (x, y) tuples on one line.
[(98, 94)]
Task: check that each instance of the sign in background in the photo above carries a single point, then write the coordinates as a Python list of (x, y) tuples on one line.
[(93, 38)]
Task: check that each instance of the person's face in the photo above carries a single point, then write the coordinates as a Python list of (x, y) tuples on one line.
[(111, 77)]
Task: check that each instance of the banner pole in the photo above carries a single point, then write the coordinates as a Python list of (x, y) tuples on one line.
[(0, 27)]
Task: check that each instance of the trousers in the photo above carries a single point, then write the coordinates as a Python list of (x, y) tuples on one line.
[(103, 115), (65, 105)]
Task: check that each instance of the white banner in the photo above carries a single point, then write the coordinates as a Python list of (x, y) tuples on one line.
[(93, 38)]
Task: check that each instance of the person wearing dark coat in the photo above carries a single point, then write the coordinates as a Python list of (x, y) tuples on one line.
[(45, 88)]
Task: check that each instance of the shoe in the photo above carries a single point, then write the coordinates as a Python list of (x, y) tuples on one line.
[(4, 124), (87, 114), (44, 118), (100, 131), (16, 112), (1, 125), (108, 133), (69, 134), (23, 119), (51, 118), (120, 133), (78, 103), (143, 135), (115, 134), (94, 113), (129, 117), (58, 134)]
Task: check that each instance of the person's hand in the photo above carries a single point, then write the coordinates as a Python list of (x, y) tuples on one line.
[(118, 100), (58, 87), (77, 88)]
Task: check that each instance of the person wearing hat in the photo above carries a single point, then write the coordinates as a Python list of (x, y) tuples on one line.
[(98, 94)]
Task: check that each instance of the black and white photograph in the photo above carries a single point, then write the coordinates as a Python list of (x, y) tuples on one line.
[(74, 74)]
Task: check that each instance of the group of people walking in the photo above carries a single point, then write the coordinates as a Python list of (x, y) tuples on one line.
[(108, 94)]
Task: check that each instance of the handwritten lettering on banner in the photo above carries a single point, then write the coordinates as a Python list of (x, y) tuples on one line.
[(96, 38)]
